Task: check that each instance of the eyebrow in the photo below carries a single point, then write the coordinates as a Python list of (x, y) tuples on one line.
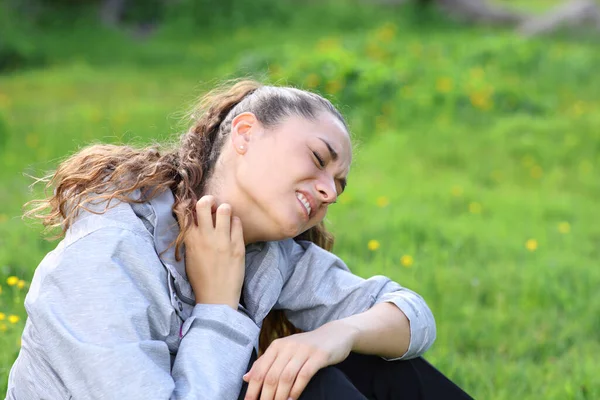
[(334, 154), (334, 157)]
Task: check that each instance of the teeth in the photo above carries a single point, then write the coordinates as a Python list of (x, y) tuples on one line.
[(304, 201)]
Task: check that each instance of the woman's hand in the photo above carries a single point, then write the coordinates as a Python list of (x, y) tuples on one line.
[(287, 366), (215, 254)]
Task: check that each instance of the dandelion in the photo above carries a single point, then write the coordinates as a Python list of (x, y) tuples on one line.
[(383, 201), (2, 316), (3, 327), (475, 208), (13, 319), (21, 284), (444, 85), (481, 100), (457, 191), (531, 245), (12, 280), (536, 172), (373, 245), (0, 289), (564, 227), (406, 261)]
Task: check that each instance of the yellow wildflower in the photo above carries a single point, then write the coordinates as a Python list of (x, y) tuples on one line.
[(481, 100), (373, 245), (564, 227), (457, 191), (382, 201), (21, 284), (0, 289), (531, 245), (444, 85), (2, 316), (13, 319), (3, 218), (12, 280), (3, 328), (475, 208), (406, 261)]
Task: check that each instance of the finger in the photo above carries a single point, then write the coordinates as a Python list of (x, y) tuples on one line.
[(204, 208), (308, 370), (257, 374), (287, 378), (237, 233), (223, 225), (271, 382)]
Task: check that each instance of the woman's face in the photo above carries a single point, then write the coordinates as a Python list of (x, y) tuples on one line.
[(288, 175)]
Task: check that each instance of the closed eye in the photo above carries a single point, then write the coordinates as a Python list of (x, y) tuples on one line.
[(319, 159)]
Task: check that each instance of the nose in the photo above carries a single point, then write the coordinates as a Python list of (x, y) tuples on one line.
[(326, 190)]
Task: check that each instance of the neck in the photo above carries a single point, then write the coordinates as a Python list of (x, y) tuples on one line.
[(222, 187)]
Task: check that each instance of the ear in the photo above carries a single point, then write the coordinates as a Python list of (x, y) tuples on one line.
[(243, 127)]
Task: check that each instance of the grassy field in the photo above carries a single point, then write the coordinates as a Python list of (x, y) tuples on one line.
[(475, 180)]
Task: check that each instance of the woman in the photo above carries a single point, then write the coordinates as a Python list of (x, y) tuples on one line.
[(115, 312)]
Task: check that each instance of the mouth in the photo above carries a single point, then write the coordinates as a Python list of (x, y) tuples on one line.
[(306, 204)]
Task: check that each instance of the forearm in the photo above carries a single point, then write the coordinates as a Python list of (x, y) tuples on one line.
[(382, 330)]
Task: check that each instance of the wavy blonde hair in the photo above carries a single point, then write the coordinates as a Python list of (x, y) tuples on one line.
[(111, 172)]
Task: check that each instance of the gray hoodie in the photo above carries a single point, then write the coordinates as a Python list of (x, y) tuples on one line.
[(111, 314)]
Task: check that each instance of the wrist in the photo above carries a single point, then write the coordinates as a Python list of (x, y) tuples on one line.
[(349, 330)]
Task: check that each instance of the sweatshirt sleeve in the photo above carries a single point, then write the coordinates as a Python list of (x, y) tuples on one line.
[(104, 314), (321, 288)]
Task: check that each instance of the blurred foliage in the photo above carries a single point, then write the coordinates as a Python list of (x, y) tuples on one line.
[(474, 182)]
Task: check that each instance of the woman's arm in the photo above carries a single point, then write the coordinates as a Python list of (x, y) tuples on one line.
[(321, 289), (108, 329), (382, 330)]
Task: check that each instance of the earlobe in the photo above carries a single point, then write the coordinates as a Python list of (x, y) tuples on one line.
[(241, 131)]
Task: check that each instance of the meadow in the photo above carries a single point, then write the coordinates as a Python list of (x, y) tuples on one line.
[(474, 183)]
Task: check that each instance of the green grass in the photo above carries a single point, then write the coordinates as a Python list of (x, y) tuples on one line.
[(471, 143)]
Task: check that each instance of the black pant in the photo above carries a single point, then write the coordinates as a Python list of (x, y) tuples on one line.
[(361, 377)]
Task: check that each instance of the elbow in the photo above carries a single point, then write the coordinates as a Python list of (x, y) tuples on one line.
[(423, 333)]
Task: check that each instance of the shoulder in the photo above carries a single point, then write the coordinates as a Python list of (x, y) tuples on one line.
[(99, 257), (295, 252)]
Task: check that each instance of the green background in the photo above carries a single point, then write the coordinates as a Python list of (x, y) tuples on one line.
[(476, 160)]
